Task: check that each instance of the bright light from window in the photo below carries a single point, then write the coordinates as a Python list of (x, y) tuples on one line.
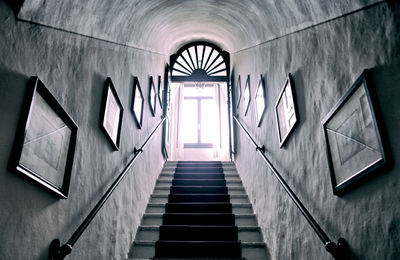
[(189, 121), (199, 116)]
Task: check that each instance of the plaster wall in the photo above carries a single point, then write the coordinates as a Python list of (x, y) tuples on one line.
[(74, 68), (325, 61)]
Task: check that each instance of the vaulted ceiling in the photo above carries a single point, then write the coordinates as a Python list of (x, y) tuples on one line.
[(164, 25)]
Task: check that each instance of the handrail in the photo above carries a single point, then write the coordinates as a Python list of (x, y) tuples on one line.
[(339, 250), (58, 252)]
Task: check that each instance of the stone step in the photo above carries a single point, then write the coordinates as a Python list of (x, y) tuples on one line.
[(163, 198), (205, 182), (237, 208), (245, 234), (227, 176), (183, 249), (145, 249), (231, 190)]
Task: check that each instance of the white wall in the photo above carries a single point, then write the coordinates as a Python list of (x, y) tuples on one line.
[(325, 61), (74, 69)]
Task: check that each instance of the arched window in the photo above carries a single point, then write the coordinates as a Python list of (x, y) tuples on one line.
[(200, 61)]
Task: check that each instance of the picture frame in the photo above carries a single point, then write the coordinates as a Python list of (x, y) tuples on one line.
[(260, 100), (137, 102), (352, 134), (111, 114), (239, 91), (45, 141), (152, 96), (246, 96), (160, 91), (286, 111)]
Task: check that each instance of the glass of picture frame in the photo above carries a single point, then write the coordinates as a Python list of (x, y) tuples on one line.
[(160, 91), (353, 136), (239, 91), (246, 96), (152, 96), (45, 141), (286, 111), (260, 101), (111, 114), (137, 102)]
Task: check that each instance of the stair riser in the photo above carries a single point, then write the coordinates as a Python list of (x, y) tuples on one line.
[(165, 200), (176, 249), (238, 221), (218, 176), (189, 233), (248, 236), (231, 191), (198, 198), (191, 182), (199, 165), (176, 219), (198, 190), (235, 210), (229, 185), (198, 208), (199, 170), (250, 253)]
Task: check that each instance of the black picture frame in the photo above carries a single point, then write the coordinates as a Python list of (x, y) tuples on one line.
[(260, 100), (137, 102), (111, 114), (239, 91), (45, 141), (152, 96), (287, 117), (352, 134), (246, 96), (160, 91)]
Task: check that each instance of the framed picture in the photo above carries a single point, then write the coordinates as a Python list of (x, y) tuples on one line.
[(286, 111), (260, 100), (111, 114), (45, 141), (152, 96), (137, 102), (246, 96), (160, 92), (239, 91), (353, 136)]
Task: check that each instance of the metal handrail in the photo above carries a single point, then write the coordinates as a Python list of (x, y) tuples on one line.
[(56, 251), (339, 250)]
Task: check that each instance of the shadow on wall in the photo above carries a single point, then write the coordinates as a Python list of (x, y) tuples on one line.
[(18, 196), (387, 90), (12, 92), (15, 5)]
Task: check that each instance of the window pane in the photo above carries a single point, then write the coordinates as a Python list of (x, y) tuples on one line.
[(189, 121), (209, 131)]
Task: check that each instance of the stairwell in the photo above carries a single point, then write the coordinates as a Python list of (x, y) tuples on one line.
[(199, 210)]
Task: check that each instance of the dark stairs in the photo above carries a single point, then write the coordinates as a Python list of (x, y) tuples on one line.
[(198, 220), (199, 210)]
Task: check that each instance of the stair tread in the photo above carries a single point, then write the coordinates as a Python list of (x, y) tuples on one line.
[(240, 228)]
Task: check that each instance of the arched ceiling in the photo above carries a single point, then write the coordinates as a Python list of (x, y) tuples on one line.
[(164, 25)]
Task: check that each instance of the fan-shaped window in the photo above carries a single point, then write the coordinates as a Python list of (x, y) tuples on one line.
[(200, 61)]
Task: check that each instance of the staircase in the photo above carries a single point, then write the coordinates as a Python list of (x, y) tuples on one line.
[(199, 210)]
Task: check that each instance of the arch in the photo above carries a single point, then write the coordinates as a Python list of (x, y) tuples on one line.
[(199, 61)]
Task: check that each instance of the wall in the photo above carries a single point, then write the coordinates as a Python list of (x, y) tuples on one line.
[(74, 68), (324, 60)]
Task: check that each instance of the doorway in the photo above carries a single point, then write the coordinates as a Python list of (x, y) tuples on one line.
[(199, 129)]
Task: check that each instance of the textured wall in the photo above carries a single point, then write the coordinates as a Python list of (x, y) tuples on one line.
[(74, 69), (164, 25), (324, 61)]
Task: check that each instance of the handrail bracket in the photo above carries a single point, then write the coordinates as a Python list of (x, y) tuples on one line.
[(57, 252), (340, 250)]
